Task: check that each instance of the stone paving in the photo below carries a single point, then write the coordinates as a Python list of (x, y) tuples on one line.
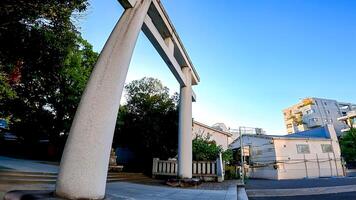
[(132, 191), (27, 165), (124, 190)]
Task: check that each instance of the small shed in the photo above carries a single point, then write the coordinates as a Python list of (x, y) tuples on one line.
[(309, 154)]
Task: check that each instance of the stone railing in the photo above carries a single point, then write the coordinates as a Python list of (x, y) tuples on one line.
[(206, 170)]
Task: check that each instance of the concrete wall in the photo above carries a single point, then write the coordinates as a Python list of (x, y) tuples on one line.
[(262, 153), (277, 157), (219, 137), (293, 165)]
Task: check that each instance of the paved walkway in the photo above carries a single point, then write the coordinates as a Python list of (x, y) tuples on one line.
[(132, 191), (27, 165), (123, 190)]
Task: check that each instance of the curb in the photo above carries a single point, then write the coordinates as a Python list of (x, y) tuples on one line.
[(241, 192)]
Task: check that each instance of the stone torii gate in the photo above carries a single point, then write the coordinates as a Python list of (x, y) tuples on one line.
[(84, 164)]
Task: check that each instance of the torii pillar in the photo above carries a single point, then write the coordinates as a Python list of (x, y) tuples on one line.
[(185, 128), (85, 160)]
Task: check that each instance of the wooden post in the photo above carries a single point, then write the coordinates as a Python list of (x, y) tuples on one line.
[(317, 160), (331, 169), (306, 167)]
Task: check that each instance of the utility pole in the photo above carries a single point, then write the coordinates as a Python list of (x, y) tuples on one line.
[(242, 174)]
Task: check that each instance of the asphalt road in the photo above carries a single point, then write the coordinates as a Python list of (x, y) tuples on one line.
[(300, 183), (343, 196), (255, 184)]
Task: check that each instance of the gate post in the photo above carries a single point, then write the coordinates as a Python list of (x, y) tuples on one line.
[(84, 164)]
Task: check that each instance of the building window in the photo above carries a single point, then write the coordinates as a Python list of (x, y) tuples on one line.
[(325, 103), (326, 148), (257, 152), (313, 120), (309, 111), (303, 148)]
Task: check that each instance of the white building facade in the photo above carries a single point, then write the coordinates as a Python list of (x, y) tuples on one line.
[(316, 112), (349, 120), (309, 154), (222, 138), (246, 131)]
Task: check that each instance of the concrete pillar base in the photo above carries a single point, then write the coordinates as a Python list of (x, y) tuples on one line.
[(30, 194)]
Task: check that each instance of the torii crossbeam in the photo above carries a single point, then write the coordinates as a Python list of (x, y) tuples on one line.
[(84, 164)]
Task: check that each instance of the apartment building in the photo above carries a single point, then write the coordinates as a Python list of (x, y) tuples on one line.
[(349, 120), (311, 113)]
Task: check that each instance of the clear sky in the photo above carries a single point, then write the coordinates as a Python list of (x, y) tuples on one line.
[(254, 57)]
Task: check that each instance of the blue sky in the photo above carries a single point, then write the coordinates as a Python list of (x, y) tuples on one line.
[(254, 57)]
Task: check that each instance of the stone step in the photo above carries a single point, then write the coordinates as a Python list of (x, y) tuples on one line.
[(8, 176), (27, 181), (24, 175), (11, 172), (19, 173), (53, 181)]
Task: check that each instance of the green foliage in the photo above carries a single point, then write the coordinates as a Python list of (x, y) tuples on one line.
[(227, 156), (348, 145), (148, 122), (205, 149), (44, 66), (231, 172)]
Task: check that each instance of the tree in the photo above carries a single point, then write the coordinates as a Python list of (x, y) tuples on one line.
[(148, 122), (44, 66), (348, 145), (205, 149)]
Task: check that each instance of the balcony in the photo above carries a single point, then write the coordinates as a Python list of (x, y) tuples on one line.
[(313, 122)]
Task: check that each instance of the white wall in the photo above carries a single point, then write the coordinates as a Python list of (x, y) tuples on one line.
[(261, 152), (220, 138), (292, 165)]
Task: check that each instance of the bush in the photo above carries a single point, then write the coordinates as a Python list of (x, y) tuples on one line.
[(348, 145), (231, 172), (205, 149)]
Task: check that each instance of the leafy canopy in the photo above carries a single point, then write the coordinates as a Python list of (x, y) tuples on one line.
[(348, 145), (44, 65), (148, 122)]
